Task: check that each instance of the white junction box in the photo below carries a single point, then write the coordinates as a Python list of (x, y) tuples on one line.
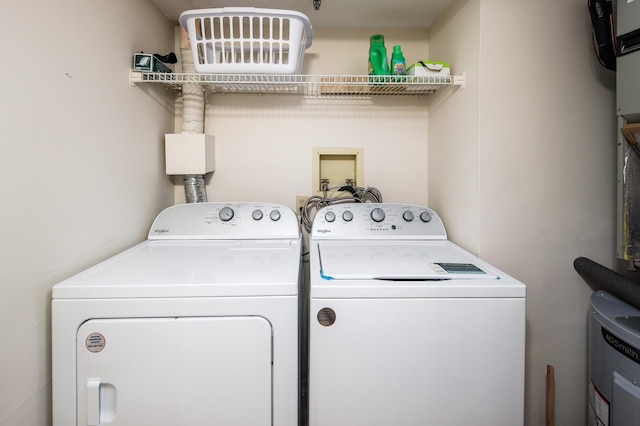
[(189, 153)]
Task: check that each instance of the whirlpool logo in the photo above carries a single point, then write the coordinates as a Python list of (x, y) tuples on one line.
[(161, 231), (621, 346), (324, 231)]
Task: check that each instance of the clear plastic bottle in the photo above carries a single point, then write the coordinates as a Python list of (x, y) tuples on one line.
[(398, 64)]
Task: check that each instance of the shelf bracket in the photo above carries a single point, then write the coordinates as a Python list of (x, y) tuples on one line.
[(458, 80), (134, 77)]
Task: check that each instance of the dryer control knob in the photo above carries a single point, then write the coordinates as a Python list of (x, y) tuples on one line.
[(377, 214), (347, 216), (275, 215), (425, 216), (257, 214), (407, 216), (329, 216), (226, 214)]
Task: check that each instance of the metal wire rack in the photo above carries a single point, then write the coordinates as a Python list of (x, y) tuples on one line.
[(307, 85)]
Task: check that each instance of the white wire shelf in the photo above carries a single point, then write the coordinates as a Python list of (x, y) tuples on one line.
[(307, 85)]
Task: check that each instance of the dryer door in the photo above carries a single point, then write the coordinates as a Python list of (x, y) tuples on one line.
[(174, 371)]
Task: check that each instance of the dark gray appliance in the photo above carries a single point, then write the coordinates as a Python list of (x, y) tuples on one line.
[(614, 362)]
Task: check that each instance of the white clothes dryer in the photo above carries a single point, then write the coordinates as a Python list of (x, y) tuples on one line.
[(406, 328), (197, 325)]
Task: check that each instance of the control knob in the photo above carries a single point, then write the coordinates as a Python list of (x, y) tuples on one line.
[(275, 215), (377, 214), (407, 216), (425, 216), (329, 216), (347, 216), (226, 214), (257, 214)]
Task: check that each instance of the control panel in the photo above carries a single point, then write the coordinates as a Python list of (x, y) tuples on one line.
[(377, 220), (225, 220)]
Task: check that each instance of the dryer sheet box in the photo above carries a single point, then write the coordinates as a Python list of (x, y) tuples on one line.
[(429, 69), (144, 62)]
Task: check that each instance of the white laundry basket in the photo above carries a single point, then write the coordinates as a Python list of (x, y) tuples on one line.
[(247, 39)]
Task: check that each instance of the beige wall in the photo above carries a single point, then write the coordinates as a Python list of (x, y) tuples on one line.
[(264, 144), (547, 179), (454, 126), (82, 163), (529, 183)]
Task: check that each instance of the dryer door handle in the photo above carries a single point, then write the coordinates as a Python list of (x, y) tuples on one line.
[(101, 402), (93, 402)]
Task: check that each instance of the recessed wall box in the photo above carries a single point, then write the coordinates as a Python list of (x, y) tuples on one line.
[(335, 166), (189, 153)]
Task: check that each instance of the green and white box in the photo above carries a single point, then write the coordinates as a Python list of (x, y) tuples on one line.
[(429, 68), (148, 63)]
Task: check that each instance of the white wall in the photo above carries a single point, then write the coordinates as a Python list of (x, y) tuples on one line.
[(264, 144), (82, 162), (539, 174), (454, 125), (548, 156)]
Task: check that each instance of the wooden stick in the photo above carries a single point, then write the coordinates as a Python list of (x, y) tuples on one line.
[(551, 406)]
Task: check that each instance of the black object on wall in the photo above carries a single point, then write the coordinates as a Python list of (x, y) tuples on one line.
[(601, 278), (604, 39)]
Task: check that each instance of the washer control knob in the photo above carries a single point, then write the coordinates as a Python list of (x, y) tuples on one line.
[(329, 216), (275, 215), (257, 214), (408, 216), (425, 216), (226, 214), (347, 216), (377, 214)]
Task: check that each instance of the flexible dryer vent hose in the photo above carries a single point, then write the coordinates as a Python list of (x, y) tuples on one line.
[(194, 189), (192, 98), (193, 104)]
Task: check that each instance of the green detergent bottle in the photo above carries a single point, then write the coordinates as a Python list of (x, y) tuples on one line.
[(378, 64), (398, 64)]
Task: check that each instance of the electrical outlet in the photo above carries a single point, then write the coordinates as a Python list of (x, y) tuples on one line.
[(300, 200)]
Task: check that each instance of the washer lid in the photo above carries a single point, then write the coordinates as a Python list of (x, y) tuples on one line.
[(400, 260), (186, 268)]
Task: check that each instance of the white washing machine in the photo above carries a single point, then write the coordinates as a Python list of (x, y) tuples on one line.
[(197, 325), (406, 328)]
